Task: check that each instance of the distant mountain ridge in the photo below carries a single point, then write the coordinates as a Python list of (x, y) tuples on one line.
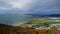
[(54, 15), (42, 15)]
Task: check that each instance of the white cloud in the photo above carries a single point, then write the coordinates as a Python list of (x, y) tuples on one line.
[(25, 5), (3, 8), (22, 4)]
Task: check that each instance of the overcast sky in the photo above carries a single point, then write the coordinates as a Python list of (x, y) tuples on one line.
[(30, 6)]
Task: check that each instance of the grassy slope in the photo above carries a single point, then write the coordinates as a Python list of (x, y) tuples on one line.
[(6, 29), (39, 22)]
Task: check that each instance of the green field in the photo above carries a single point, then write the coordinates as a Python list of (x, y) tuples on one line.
[(42, 22)]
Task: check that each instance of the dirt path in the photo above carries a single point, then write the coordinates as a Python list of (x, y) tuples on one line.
[(58, 31)]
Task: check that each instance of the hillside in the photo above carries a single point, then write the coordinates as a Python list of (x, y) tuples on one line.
[(7, 29)]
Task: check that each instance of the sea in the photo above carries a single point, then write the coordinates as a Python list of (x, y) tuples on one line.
[(13, 18)]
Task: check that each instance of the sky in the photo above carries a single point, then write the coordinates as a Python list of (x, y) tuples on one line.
[(30, 6)]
